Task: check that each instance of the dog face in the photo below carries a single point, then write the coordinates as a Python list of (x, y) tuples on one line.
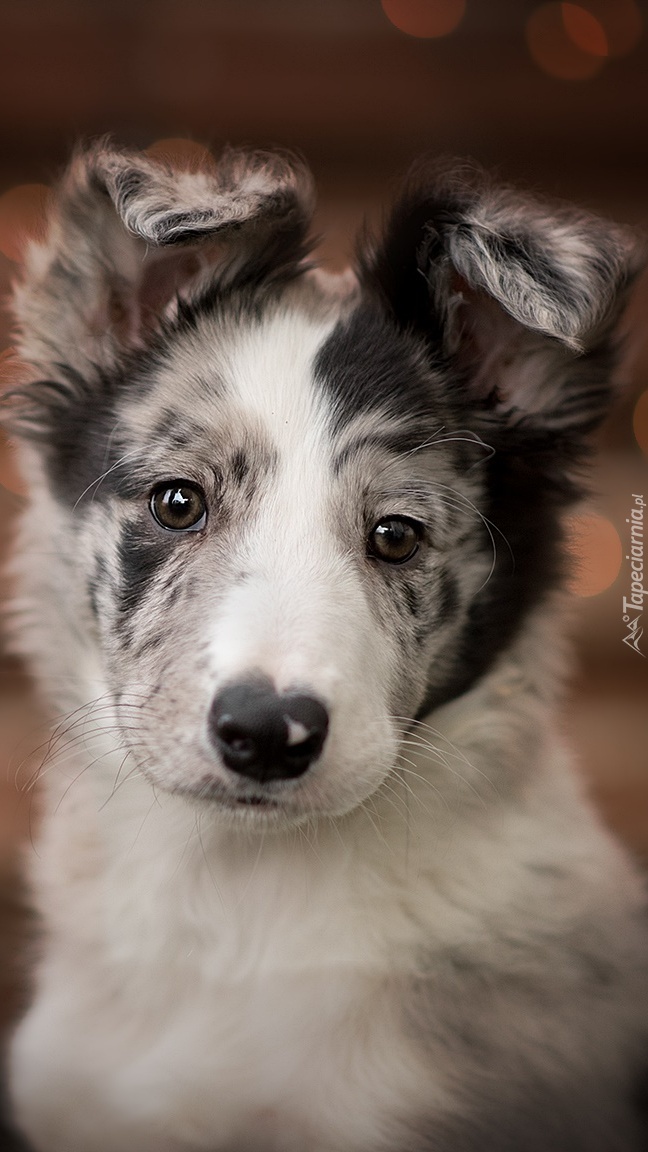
[(291, 513)]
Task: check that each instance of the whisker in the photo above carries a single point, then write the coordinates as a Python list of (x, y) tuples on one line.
[(365, 807), (98, 481), (310, 844), (208, 866), (455, 750), (401, 771), (423, 746), (141, 827), (253, 871)]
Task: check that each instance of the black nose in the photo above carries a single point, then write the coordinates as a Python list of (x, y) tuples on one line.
[(267, 736)]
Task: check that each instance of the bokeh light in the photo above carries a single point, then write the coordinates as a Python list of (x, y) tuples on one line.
[(180, 152), (585, 30), (622, 22), (640, 422), (553, 47), (425, 18), (596, 547), (23, 212)]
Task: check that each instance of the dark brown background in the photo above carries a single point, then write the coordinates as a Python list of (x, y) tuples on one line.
[(334, 79)]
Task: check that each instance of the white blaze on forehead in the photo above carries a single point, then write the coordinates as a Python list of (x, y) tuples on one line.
[(235, 375), (267, 369), (301, 615)]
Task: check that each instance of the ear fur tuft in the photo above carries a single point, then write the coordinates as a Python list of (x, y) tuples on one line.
[(509, 290), (127, 233), (164, 206)]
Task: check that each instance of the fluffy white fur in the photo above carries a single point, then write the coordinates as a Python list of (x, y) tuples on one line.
[(430, 940)]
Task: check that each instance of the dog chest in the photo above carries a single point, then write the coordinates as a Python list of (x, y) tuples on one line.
[(282, 1061)]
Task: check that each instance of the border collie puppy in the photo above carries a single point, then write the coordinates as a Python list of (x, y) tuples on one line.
[(315, 873)]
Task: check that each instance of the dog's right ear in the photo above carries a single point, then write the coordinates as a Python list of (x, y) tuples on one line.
[(128, 234)]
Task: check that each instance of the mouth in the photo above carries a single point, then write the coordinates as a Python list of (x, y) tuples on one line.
[(253, 810), (211, 791), (256, 802)]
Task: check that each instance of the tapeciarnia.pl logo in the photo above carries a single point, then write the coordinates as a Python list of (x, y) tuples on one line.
[(633, 604)]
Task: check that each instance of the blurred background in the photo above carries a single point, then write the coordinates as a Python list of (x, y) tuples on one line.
[(551, 95)]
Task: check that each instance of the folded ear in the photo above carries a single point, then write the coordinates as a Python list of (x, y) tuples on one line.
[(127, 234), (520, 299)]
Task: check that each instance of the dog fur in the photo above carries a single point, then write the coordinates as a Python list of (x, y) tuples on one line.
[(426, 942)]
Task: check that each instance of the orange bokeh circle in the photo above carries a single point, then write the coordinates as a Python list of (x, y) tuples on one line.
[(585, 30), (595, 546), (622, 23), (426, 19), (554, 49)]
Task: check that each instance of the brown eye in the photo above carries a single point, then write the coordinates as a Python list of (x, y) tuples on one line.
[(179, 506), (395, 540)]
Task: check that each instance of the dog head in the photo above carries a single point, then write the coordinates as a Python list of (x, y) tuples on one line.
[(287, 514)]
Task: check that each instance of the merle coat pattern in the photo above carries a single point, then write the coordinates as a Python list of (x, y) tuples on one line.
[(378, 915)]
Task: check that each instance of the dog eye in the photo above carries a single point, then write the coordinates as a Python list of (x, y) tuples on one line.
[(179, 506), (395, 540)]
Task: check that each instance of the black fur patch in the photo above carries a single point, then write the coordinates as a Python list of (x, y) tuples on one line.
[(367, 365), (239, 467), (140, 557), (529, 478), (448, 596), (73, 419), (177, 430), (76, 419), (411, 598), (526, 535)]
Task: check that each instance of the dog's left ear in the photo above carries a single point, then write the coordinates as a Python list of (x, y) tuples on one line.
[(519, 299)]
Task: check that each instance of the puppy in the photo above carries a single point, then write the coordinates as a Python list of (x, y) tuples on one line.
[(315, 873)]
